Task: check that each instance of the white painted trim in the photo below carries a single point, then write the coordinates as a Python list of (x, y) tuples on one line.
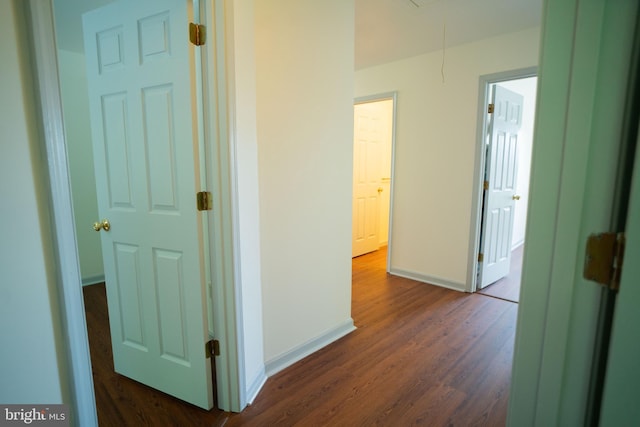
[(93, 280), (383, 97), (430, 280), (256, 385), (223, 236), (479, 165), (582, 87), (303, 350), (375, 97), (76, 344), (517, 245)]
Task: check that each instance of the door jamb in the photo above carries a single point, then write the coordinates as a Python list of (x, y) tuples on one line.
[(78, 371), (47, 90), (384, 97), (223, 225), (480, 164)]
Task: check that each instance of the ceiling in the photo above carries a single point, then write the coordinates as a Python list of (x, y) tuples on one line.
[(389, 30), (385, 30)]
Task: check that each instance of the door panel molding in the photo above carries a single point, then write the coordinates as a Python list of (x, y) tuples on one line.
[(149, 129)]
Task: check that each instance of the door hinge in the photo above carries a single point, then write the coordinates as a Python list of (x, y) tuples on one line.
[(197, 34), (480, 257), (485, 185), (204, 200), (603, 260), (491, 108), (212, 348)]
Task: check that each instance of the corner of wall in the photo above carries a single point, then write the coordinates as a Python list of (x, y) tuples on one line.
[(243, 138)]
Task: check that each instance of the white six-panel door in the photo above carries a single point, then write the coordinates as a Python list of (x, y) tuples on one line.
[(501, 174), (367, 158), (139, 68)]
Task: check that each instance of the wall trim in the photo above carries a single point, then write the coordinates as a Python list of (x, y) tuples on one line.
[(93, 280), (226, 289), (303, 350), (256, 385), (82, 404), (430, 280), (517, 245), (585, 63)]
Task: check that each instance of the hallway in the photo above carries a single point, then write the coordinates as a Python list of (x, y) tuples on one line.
[(421, 354)]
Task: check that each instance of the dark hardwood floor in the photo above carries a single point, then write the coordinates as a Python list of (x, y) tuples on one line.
[(421, 355), (508, 288), (124, 402)]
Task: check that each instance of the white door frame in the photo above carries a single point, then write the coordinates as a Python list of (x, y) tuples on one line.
[(480, 163), (384, 97), (582, 88), (76, 347)]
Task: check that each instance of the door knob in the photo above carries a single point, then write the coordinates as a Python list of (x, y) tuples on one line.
[(516, 197), (102, 225), (379, 190)]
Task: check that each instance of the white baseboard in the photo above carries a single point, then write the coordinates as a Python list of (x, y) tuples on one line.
[(86, 281), (432, 280), (517, 245), (298, 353), (255, 386)]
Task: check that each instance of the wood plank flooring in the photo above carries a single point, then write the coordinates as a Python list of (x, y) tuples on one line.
[(124, 402), (421, 355), (508, 288)]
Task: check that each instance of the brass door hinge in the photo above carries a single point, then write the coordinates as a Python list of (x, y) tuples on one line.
[(603, 260), (485, 185), (204, 200), (491, 108), (212, 348), (480, 257), (197, 34)]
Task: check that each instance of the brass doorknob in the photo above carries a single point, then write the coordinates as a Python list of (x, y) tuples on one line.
[(516, 197), (102, 225), (380, 190)]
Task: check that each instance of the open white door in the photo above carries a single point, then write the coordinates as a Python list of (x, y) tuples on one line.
[(139, 69), (499, 186), (367, 164)]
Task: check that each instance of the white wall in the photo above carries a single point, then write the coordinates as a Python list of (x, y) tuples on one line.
[(526, 88), (75, 104), (304, 65), (435, 149), (32, 364)]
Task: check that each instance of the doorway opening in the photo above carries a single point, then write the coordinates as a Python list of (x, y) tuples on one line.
[(373, 152), (503, 164), (45, 54), (143, 181)]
